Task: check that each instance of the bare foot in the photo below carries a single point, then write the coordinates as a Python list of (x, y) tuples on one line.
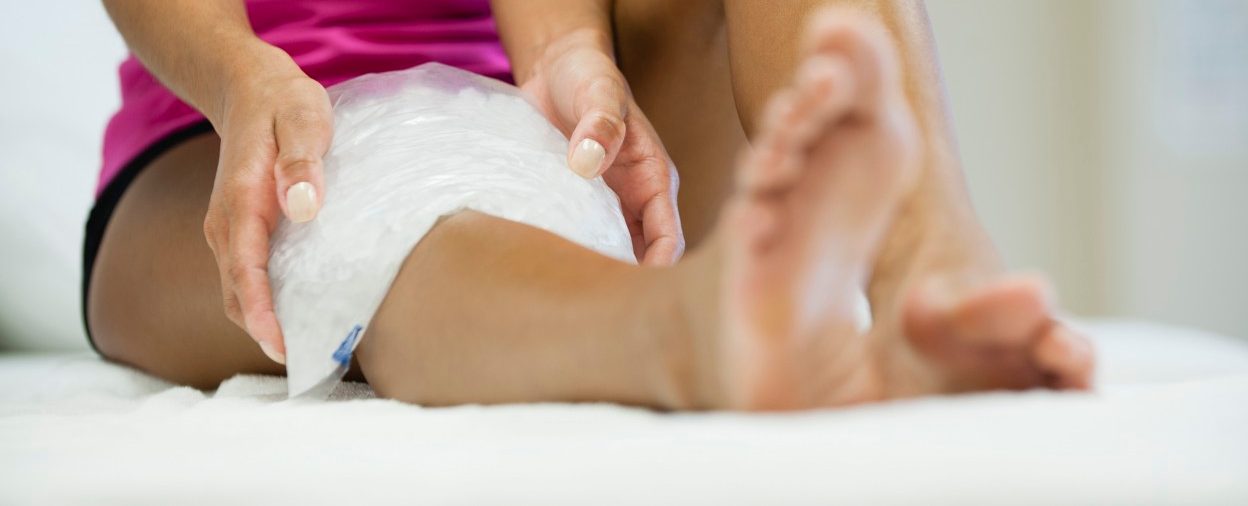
[(817, 196)]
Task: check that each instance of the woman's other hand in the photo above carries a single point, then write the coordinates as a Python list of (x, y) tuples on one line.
[(576, 83), (275, 125)]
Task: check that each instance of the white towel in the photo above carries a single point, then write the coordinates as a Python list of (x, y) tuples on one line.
[(1170, 425)]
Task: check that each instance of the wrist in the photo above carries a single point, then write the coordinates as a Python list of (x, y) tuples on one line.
[(555, 45), (531, 28)]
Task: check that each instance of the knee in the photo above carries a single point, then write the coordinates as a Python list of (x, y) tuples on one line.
[(130, 328), (404, 362), (130, 324), (383, 368)]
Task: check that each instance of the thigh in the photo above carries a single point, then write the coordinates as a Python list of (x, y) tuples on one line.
[(764, 38), (155, 298), (675, 57)]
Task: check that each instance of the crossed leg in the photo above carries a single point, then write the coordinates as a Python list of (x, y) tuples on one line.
[(760, 316), (937, 272)]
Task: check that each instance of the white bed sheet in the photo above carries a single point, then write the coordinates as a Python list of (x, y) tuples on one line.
[(1168, 426)]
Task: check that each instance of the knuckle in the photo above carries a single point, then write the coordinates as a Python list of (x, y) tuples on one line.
[(304, 116), (603, 124), (215, 230), (606, 92), (237, 271), (306, 87), (237, 182), (297, 163), (603, 85), (613, 125), (657, 181), (209, 228), (298, 116), (232, 309)]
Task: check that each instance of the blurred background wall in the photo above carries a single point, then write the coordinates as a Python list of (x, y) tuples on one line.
[(58, 88), (1106, 143)]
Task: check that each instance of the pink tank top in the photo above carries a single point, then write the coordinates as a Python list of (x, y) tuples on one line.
[(332, 40)]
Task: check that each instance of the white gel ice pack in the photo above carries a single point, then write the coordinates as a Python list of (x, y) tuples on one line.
[(410, 147)]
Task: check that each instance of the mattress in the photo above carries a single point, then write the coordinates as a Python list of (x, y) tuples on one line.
[(1168, 425)]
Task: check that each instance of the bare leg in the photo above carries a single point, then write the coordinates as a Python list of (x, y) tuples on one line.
[(937, 260), (834, 159), (486, 310), (759, 317)]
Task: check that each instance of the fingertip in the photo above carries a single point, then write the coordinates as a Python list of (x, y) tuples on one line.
[(265, 330), (271, 352), (260, 323), (302, 202), (587, 158)]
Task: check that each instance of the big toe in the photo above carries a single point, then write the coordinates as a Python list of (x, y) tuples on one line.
[(1005, 312), (1066, 358), (985, 337)]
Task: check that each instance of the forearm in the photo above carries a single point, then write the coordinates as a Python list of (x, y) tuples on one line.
[(529, 27), (199, 49)]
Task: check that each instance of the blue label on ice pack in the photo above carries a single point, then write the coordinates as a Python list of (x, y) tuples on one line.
[(343, 354)]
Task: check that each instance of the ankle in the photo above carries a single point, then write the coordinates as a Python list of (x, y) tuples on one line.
[(682, 310), (696, 365)]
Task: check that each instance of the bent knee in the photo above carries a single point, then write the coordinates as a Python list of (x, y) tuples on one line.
[(121, 321), (153, 326), (112, 318), (383, 368), (406, 364)]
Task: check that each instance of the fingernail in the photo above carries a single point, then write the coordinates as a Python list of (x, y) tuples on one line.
[(301, 202), (273, 354), (587, 158)]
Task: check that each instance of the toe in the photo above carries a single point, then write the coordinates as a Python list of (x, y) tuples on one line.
[(1007, 313), (987, 337), (766, 165), (1003, 314), (794, 119), (753, 226), (1065, 357), (825, 87), (860, 39)]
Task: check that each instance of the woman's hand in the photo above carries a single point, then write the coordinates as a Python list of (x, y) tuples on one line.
[(275, 125), (577, 84)]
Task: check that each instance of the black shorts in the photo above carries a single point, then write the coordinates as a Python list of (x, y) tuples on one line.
[(102, 211)]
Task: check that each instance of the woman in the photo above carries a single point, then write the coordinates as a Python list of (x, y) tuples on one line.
[(844, 189)]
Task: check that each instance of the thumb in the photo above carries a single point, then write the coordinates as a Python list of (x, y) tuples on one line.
[(599, 110), (302, 139)]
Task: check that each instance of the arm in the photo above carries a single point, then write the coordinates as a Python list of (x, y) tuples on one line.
[(528, 27), (562, 54), (274, 123), (198, 57)]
